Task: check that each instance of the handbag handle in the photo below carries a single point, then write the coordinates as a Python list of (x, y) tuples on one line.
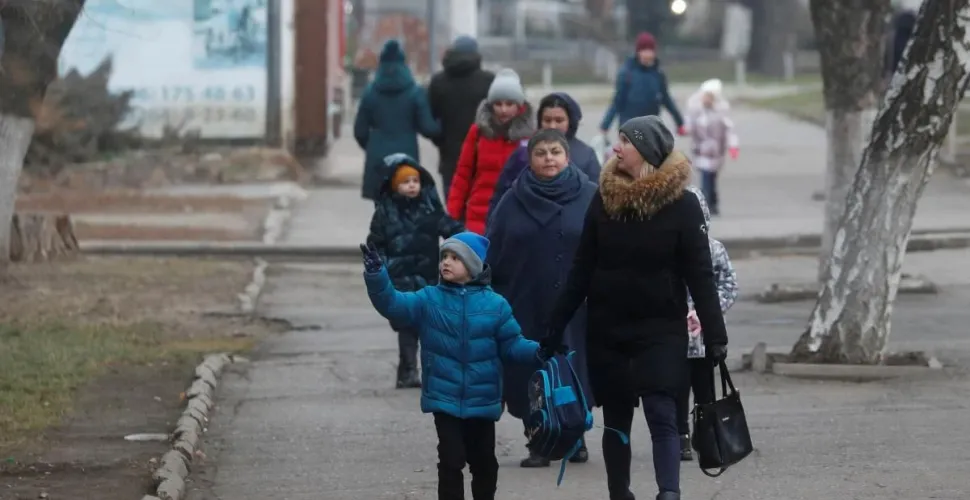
[(726, 381)]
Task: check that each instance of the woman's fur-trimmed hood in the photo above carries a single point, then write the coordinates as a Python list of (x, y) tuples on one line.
[(642, 198), (520, 127)]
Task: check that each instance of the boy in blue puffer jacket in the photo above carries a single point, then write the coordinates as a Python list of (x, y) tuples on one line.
[(466, 332)]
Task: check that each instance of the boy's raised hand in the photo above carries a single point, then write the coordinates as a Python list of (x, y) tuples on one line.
[(372, 259)]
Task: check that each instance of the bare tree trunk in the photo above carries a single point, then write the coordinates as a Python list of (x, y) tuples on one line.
[(846, 134), (851, 320), (851, 38), (15, 135), (34, 33), (773, 33), (42, 237)]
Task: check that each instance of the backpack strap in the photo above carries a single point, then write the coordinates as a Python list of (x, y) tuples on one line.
[(565, 460)]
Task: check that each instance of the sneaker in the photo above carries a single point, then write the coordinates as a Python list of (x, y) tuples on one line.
[(686, 454)]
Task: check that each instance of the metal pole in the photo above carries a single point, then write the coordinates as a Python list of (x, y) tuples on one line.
[(432, 22)]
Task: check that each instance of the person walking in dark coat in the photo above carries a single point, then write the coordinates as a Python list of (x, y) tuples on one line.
[(455, 93), (408, 220), (392, 111), (533, 237), (560, 112), (641, 88), (643, 240)]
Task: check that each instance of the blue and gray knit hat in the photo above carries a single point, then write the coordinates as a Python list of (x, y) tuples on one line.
[(470, 248)]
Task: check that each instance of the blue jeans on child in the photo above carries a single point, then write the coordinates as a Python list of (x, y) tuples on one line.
[(709, 188)]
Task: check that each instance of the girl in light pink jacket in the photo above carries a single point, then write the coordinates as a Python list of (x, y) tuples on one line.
[(712, 136)]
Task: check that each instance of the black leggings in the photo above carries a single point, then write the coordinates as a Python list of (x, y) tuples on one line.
[(701, 382), (660, 411)]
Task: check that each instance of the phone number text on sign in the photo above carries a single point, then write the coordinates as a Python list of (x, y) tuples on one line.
[(187, 94), (231, 111), (198, 114)]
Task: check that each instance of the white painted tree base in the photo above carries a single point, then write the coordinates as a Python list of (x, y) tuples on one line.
[(851, 320), (15, 135)]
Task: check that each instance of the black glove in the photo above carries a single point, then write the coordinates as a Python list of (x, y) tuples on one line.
[(372, 259), (549, 345), (717, 353)]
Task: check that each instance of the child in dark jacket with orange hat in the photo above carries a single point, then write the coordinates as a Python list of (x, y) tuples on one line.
[(408, 221)]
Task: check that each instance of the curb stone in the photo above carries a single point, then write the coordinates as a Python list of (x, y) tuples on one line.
[(176, 464), (763, 359), (777, 293), (275, 222), (250, 295)]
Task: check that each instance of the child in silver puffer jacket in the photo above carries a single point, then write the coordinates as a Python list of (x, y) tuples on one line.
[(700, 367)]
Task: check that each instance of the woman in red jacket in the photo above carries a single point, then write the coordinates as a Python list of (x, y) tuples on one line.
[(504, 121)]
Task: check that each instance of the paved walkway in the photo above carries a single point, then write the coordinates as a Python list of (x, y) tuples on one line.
[(766, 193), (314, 416)]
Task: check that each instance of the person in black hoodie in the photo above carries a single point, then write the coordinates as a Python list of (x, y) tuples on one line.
[(455, 94), (644, 246)]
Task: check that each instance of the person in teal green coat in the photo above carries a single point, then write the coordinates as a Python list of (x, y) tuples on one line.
[(392, 112)]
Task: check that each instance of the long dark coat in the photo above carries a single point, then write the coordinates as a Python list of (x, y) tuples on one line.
[(532, 244), (644, 245), (392, 112), (455, 94)]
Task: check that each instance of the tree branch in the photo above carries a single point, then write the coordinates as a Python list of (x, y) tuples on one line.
[(35, 31)]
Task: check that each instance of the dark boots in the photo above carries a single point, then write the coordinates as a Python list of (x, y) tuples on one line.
[(581, 456), (407, 367), (668, 495), (535, 461), (686, 455)]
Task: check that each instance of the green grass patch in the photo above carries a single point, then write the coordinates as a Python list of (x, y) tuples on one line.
[(42, 365), (698, 71), (805, 105), (809, 105), (65, 324)]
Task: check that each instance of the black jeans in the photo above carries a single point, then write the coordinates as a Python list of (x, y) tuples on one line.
[(661, 413), (701, 380), (462, 441)]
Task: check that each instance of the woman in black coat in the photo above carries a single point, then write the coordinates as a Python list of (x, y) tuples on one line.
[(644, 245)]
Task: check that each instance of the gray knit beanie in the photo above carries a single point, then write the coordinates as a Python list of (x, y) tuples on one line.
[(506, 87), (651, 137)]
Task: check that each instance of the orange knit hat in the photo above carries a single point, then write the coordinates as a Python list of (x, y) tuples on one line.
[(402, 173)]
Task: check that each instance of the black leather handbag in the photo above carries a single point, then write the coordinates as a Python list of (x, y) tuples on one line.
[(721, 438)]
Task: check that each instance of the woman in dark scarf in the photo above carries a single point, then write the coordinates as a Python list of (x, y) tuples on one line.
[(533, 236)]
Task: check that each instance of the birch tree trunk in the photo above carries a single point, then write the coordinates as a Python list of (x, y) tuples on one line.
[(851, 37), (851, 320), (15, 135), (34, 32), (773, 34)]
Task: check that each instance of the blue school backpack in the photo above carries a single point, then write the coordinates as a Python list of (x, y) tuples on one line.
[(558, 413)]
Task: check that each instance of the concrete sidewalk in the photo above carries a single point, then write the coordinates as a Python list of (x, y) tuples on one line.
[(767, 193), (314, 416)]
